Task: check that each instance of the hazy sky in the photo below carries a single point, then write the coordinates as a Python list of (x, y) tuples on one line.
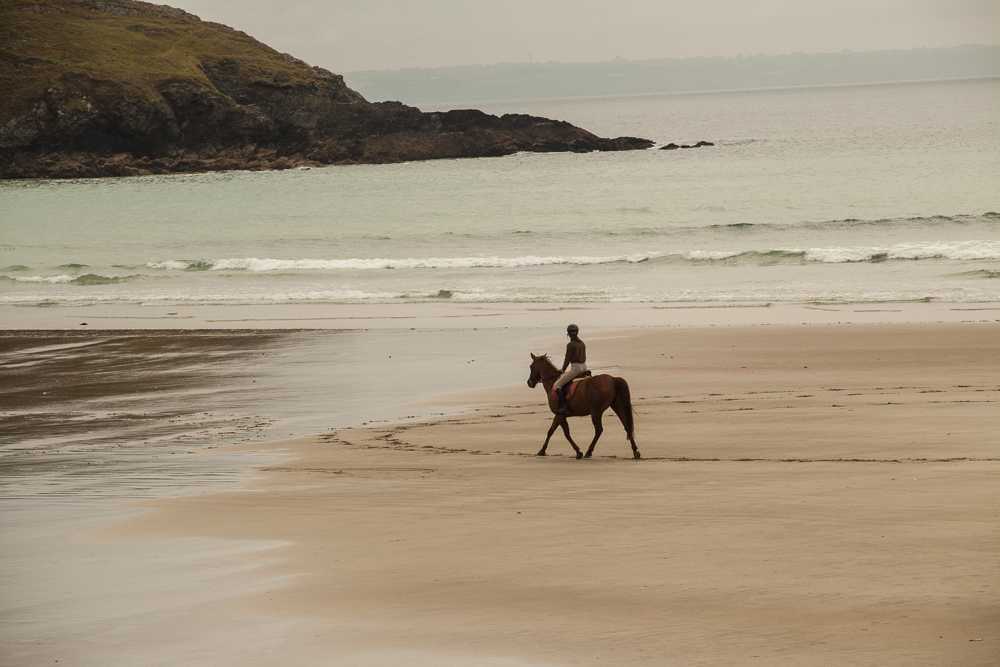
[(351, 35)]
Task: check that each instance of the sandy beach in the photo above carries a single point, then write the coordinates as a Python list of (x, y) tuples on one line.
[(260, 417), (808, 495)]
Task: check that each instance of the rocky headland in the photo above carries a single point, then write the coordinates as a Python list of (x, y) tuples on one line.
[(123, 88)]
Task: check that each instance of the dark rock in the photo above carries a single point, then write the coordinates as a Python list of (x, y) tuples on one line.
[(673, 147), (244, 106)]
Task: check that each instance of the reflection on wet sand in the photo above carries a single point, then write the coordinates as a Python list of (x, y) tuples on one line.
[(119, 413), (100, 411)]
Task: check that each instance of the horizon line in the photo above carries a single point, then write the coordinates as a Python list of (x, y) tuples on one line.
[(714, 91), (646, 60)]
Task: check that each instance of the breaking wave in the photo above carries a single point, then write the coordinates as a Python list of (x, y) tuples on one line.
[(255, 264), (958, 250), (185, 265), (85, 279)]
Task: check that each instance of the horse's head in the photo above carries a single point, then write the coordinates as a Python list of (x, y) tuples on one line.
[(537, 365), (534, 376)]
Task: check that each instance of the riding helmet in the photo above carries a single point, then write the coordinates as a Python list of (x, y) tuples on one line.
[(572, 329)]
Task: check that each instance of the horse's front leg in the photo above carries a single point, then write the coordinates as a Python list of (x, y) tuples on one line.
[(552, 429), (565, 428), (598, 430)]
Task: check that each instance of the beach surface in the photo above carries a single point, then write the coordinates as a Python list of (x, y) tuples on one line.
[(808, 495), (280, 418), (459, 315)]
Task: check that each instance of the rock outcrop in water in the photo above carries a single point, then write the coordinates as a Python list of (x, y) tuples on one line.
[(122, 88), (673, 147)]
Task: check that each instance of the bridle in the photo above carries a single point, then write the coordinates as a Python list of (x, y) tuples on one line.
[(540, 378)]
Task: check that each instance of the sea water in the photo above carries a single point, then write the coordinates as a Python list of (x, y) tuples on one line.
[(837, 194)]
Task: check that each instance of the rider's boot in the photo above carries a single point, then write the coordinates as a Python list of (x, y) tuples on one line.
[(563, 408)]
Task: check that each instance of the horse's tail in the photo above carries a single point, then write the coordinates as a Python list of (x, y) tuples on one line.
[(622, 405)]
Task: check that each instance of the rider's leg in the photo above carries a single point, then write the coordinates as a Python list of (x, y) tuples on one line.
[(562, 408), (559, 387)]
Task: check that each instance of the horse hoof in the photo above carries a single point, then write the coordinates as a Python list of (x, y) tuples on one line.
[(637, 457), (541, 453), (587, 455), (579, 455)]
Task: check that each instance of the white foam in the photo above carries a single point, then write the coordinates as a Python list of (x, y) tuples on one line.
[(45, 279), (841, 255), (957, 250), (698, 255), (960, 250), (170, 265), (357, 264)]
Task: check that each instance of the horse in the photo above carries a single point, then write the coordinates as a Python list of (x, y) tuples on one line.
[(593, 396)]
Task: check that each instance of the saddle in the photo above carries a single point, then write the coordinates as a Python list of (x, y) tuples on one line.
[(570, 389)]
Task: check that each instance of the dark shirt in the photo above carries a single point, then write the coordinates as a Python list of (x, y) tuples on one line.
[(576, 353)]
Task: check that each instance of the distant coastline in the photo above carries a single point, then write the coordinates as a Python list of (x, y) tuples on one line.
[(461, 104), (515, 81)]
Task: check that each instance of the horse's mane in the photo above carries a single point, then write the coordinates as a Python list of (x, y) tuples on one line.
[(545, 358)]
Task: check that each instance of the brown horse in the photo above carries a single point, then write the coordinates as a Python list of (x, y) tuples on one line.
[(593, 396)]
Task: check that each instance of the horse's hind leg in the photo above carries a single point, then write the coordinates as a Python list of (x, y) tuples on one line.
[(565, 428), (548, 436), (598, 430), (635, 450)]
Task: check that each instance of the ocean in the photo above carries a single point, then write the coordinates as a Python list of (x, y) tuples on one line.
[(869, 193)]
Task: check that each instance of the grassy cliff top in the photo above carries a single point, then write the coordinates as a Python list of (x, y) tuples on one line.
[(119, 50)]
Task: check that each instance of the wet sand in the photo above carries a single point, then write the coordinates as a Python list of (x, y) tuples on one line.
[(808, 495), (459, 315)]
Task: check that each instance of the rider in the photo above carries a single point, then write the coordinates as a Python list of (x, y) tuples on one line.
[(576, 363)]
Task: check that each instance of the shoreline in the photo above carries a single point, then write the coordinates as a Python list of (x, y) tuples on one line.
[(457, 315), (445, 541)]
